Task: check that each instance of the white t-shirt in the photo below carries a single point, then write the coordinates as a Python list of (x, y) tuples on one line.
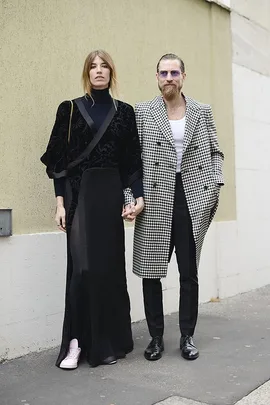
[(178, 130)]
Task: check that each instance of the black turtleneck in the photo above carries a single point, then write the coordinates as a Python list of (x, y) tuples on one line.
[(98, 110), (98, 106)]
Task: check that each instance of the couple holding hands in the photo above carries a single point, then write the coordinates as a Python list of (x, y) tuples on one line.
[(160, 165)]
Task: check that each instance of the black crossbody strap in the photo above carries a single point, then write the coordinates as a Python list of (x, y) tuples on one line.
[(99, 134)]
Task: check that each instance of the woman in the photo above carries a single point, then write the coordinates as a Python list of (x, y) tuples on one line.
[(92, 155)]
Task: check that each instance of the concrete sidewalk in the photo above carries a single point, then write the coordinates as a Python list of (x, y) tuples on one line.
[(260, 396), (234, 341)]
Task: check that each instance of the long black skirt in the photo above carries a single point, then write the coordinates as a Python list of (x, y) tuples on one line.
[(97, 306)]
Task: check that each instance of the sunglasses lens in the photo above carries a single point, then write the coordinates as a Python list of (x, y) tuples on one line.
[(164, 73)]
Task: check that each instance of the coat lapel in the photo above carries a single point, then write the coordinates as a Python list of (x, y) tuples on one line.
[(160, 115), (192, 115)]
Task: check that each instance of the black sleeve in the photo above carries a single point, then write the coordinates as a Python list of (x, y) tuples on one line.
[(137, 188), (131, 162), (59, 187), (55, 157)]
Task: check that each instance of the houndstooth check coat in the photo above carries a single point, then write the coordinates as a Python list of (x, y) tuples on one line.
[(202, 177)]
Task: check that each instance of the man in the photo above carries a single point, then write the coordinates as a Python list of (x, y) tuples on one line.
[(182, 166)]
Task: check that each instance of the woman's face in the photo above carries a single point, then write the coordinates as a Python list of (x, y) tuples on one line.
[(99, 74)]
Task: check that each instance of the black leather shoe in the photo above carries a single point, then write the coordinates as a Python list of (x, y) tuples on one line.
[(154, 349), (188, 349), (109, 360)]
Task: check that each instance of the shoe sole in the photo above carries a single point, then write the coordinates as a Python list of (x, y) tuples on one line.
[(102, 364), (157, 358), (68, 367)]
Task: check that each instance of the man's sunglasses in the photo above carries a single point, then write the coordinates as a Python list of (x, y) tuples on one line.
[(164, 73)]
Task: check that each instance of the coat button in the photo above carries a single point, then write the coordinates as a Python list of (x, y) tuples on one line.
[(154, 185), (158, 143), (200, 167), (205, 188), (156, 163)]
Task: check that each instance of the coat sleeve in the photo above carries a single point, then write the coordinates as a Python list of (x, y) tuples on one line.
[(135, 148), (139, 123), (55, 157), (217, 156), (128, 196), (131, 163)]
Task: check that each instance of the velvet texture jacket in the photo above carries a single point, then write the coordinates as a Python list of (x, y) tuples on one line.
[(119, 146)]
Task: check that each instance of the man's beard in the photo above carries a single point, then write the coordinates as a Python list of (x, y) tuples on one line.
[(170, 91)]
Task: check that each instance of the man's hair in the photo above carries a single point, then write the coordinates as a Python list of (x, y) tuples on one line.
[(172, 56)]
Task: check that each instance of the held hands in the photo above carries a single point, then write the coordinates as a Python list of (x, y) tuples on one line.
[(130, 211), (60, 215)]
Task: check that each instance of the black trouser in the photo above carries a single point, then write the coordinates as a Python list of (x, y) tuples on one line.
[(183, 242)]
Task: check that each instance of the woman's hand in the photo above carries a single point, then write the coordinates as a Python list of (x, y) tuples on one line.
[(131, 211), (128, 211), (139, 206), (60, 215)]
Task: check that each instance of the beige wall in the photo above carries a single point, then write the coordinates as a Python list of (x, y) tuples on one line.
[(43, 49)]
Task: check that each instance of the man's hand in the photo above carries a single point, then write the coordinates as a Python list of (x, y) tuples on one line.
[(130, 211)]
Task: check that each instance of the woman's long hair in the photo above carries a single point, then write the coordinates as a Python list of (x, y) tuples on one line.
[(87, 86)]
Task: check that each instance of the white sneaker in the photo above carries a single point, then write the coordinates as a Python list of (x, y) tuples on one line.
[(71, 360)]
